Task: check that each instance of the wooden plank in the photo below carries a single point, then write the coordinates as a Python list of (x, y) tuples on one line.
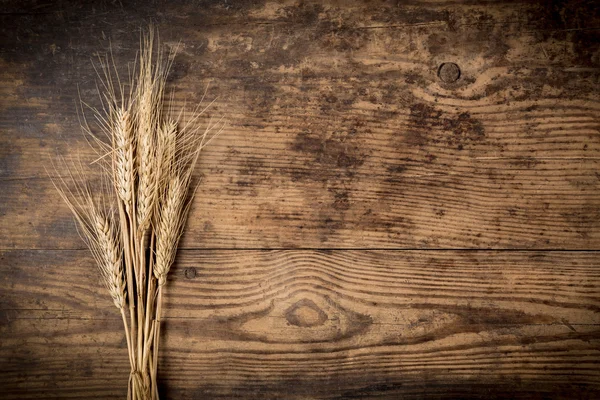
[(340, 134), (316, 324)]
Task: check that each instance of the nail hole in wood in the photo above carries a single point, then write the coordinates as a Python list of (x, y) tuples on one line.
[(190, 273), (449, 72)]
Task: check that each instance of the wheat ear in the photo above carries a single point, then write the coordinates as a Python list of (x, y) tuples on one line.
[(150, 91), (96, 229), (169, 227), (111, 266), (124, 161)]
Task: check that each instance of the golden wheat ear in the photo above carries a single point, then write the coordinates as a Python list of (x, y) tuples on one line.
[(123, 167), (94, 225)]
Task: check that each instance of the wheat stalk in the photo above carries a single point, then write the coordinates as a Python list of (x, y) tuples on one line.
[(149, 157)]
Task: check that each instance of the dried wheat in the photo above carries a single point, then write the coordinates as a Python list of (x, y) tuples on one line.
[(135, 243)]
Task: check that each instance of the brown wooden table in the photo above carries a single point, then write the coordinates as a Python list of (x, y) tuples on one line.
[(405, 202)]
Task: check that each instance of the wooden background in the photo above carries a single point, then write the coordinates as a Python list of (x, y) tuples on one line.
[(363, 229)]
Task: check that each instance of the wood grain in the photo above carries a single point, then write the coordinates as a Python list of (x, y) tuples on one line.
[(340, 133), (363, 228), (316, 324)]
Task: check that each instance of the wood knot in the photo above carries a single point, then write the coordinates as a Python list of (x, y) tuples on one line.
[(449, 72), (190, 273), (305, 313)]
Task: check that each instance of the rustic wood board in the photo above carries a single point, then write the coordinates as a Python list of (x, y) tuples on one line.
[(340, 133), (315, 324), (363, 229)]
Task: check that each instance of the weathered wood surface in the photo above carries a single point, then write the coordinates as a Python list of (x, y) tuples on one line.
[(340, 132), (341, 135), (315, 324)]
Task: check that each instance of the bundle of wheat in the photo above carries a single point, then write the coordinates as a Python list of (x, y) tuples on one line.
[(133, 232)]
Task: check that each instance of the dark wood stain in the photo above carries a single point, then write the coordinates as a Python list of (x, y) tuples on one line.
[(375, 324), (437, 238)]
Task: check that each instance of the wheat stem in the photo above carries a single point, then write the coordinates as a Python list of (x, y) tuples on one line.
[(128, 338), (157, 333), (128, 273)]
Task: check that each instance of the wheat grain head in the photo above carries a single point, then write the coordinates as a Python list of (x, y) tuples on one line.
[(95, 227)]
